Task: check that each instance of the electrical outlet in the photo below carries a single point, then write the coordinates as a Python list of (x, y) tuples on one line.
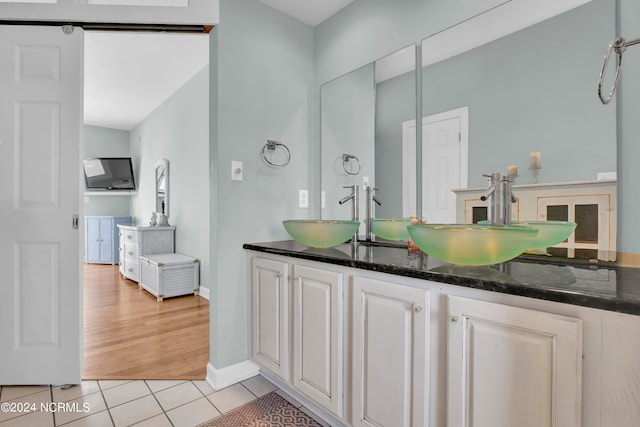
[(323, 199), (365, 181), (236, 170), (303, 198)]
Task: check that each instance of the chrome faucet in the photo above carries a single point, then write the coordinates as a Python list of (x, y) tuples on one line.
[(371, 199), (508, 199), (492, 197), (499, 197), (355, 207)]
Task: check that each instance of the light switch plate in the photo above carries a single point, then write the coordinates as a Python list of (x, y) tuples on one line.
[(236, 170), (303, 199)]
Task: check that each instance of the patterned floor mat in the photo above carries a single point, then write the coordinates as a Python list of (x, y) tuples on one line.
[(271, 410)]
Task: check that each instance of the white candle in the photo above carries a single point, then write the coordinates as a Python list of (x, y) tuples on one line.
[(512, 170), (535, 161)]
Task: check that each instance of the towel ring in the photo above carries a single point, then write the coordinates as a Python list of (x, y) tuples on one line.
[(619, 45), (346, 160), (271, 146)]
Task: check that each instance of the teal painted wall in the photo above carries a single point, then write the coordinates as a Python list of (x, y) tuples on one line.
[(526, 94), (628, 104), (395, 103), (261, 88), (178, 131)]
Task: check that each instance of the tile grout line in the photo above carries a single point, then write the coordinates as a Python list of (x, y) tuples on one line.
[(113, 423)]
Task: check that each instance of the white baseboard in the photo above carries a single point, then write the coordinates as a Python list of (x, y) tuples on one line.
[(224, 377), (204, 293)]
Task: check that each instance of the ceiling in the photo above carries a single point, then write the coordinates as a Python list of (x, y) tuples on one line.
[(128, 75), (311, 12)]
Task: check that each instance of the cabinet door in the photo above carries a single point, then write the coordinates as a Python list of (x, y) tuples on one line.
[(106, 240), (270, 294), (390, 348), (510, 366), (317, 336), (92, 239)]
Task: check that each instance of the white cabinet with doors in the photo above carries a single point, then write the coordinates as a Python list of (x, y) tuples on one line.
[(318, 321), (422, 353), (270, 303), (298, 328), (101, 238), (511, 366), (389, 352)]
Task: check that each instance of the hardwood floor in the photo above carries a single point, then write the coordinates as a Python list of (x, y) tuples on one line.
[(128, 335)]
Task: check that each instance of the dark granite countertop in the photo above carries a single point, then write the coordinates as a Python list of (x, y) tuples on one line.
[(600, 286)]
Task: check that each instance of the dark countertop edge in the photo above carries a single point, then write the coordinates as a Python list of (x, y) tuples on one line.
[(594, 301)]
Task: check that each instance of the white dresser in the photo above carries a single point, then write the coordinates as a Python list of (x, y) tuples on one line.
[(138, 241)]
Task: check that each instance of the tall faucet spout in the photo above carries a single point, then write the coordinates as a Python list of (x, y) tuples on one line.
[(355, 209)]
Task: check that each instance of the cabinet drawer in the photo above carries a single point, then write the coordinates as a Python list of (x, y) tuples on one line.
[(129, 236), (131, 250), (131, 268)]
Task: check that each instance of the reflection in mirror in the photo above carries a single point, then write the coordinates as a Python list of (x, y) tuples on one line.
[(162, 187), (347, 114), (395, 136), (530, 91), (370, 113)]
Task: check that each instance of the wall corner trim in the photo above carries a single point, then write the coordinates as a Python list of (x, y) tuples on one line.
[(224, 377)]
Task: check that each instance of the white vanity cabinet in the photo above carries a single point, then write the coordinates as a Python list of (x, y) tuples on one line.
[(510, 366), (298, 328), (318, 322), (389, 345), (136, 241), (270, 314)]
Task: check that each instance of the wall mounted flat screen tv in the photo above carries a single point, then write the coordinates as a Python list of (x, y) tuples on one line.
[(109, 173)]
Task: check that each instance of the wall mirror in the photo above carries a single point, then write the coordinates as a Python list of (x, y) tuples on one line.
[(533, 89), (364, 114), (529, 91), (162, 187)]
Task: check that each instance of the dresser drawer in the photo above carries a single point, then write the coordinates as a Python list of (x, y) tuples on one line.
[(131, 268), (129, 236), (131, 250)]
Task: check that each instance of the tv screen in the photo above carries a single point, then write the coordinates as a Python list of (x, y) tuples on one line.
[(109, 173)]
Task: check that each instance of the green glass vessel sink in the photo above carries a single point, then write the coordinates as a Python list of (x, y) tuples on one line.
[(472, 244), (550, 233), (391, 228), (320, 233)]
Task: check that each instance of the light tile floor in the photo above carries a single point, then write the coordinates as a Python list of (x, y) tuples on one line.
[(127, 403)]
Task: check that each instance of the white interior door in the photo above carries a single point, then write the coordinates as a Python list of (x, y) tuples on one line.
[(444, 163), (40, 123)]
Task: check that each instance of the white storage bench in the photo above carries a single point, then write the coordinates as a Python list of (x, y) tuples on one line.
[(169, 275)]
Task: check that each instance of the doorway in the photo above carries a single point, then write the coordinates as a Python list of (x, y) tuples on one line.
[(146, 98)]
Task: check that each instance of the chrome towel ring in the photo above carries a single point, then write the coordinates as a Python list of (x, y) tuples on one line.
[(271, 146), (619, 45), (347, 164)]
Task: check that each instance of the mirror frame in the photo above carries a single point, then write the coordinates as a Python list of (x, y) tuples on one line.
[(161, 195)]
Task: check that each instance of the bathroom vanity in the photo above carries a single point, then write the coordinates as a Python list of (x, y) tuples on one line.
[(377, 335)]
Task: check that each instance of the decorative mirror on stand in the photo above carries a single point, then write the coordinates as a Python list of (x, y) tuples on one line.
[(162, 187)]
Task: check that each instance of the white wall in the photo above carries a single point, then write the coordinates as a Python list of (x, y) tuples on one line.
[(178, 131)]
